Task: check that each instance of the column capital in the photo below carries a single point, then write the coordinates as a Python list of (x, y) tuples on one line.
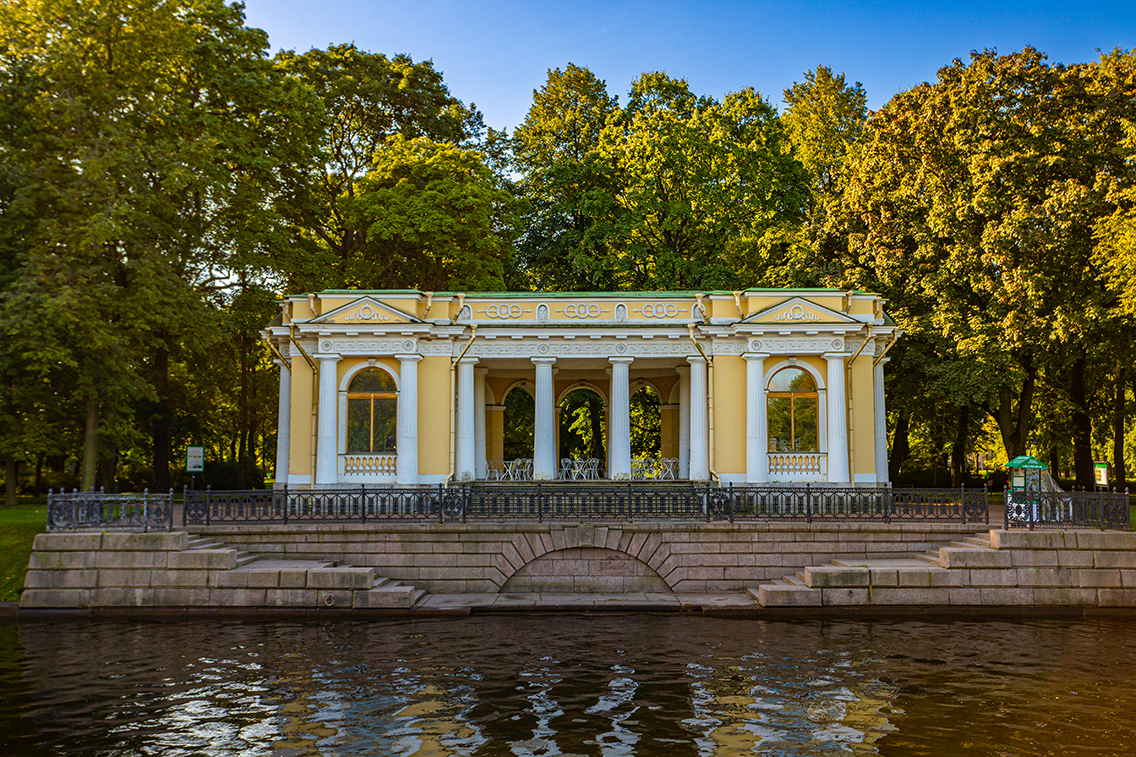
[(755, 355), (682, 370), (408, 358), (615, 360), (282, 364), (834, 356), (695, 359), (480, 370), (468, 361), (329, 357), (539, 360)]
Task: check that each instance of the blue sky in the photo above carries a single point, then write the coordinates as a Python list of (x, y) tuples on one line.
[(494, 54)]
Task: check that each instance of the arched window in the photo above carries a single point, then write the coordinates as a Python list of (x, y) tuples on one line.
[(792, 412), (372, 413)]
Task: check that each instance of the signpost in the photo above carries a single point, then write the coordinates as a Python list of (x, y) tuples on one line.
[(194, 462), (1101, 470)]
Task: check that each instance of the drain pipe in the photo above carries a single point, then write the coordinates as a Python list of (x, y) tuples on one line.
[(709, 401), (454, 404), (851, 415)]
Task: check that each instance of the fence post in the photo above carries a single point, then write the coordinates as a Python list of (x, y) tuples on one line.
[(986, 501), (731, 501), (808, 504), (706, 502), (466, 489), (539, 505), (184, 507), (286, 503), (630, 506), (363, 502), (962, 502), (208, 503), (170, 511), (145, 510), (441, 503)]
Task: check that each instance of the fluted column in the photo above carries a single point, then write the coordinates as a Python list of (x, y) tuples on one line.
[(406, 444), (544, 431), (757, 437), (881, 423), (466, 467), (837, 420), (683, 421), (479, 420), (327, 433), (699, 447), (620, 418), (283, 422)]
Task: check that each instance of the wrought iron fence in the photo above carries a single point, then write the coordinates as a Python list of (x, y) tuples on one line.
[(1075, 509), (574, 501), (583, 501), (99, 509)]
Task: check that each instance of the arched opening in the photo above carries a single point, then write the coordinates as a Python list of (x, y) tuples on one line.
[(793, 408), (519, 423), (646, 435), (372, 413), (583, 429)]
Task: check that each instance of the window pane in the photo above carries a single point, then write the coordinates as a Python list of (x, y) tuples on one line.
[(792, 380), (805, 417), (778, 422), (372, 380), (358, 426), (386, 426)]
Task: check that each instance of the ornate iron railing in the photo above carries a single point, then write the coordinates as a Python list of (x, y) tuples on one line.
[(1076, 509), (586, 501), (110, 511), (354, 504)]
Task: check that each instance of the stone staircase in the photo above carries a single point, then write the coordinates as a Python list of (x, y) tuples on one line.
[(851, 581), (317, 574)]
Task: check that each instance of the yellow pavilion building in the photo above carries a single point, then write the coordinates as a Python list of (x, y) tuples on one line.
[(412, 388)]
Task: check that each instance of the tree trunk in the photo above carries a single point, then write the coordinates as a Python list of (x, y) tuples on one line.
[(160, 421), (108, 468), (1120, 475), (38, 474), (90, 445), (242, 415), (900, 445), (10, 480), (1013, 423), (1082, 427), (595, 411), (958, 453)]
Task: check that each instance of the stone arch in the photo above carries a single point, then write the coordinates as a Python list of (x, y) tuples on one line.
[(641, 559)]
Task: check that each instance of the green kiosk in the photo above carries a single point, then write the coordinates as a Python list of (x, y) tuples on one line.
[(1032, 495)]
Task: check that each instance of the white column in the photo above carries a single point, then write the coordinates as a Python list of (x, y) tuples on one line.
[(757, 437), (479, 420), (881, 423), (283, 423), (327, 434), (620, 469), (837, 420), (406, 444), (699, 447), (544, 432), (683, 421), (466, 468)]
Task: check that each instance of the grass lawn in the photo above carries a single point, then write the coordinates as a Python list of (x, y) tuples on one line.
[(18, 527)]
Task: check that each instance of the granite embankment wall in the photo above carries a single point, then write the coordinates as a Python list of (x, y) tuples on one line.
[(584, 557), (1006, 568)]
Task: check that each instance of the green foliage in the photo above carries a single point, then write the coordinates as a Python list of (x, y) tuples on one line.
[(432, 213)]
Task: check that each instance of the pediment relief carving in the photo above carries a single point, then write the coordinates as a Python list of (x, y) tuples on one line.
[(798, 310), (366, 311)]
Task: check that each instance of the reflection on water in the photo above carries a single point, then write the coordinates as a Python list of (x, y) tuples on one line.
[(566, 685)]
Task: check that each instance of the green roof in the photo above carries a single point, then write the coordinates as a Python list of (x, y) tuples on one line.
[(1025, 461)]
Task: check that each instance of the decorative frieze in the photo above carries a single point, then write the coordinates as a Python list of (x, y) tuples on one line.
[(367, 346), (786, 345)]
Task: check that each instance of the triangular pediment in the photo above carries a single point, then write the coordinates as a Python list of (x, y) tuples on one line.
[(366, 311), (798, 310)]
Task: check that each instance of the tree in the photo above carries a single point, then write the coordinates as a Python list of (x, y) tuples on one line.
[(971, 203), (435, 217), (823, 119), (367, 98), (153, 141), (564, 245), (694, 176)]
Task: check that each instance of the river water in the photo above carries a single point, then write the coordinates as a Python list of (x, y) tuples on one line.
[(568, 685)]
